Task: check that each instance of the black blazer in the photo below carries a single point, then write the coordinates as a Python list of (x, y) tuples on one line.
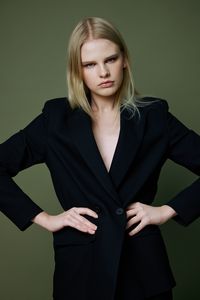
[(109, 264)]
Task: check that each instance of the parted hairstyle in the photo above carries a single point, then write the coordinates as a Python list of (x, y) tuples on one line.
[(78, 92)]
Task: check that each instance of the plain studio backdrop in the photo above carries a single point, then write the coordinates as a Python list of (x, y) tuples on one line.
[(164, 42)]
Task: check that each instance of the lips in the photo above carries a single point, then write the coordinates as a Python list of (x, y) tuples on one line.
[(106, 83)]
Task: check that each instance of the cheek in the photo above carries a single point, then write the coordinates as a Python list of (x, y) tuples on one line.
[(120, 72), (118, 69), (88, 79)]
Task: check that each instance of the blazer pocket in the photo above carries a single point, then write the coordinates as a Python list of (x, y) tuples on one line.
[(72, 236)]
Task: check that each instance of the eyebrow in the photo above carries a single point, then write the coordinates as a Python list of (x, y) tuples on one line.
[(111, 56)]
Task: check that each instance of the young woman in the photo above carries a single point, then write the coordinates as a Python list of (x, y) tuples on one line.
[(104, 146)]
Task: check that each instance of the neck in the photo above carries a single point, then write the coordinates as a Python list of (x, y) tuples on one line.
[(102, 105)]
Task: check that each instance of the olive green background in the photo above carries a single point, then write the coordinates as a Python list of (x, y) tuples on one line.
[(164, 41)]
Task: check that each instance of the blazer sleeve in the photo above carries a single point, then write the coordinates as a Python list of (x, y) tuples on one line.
[(184, 149), (25, 148)]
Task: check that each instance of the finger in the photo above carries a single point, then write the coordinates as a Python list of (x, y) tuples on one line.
[(130, 206), (133, 205), (73, 222), (137, 228), (133, 221), (132, 212), (83, 210), (86, 210), (85, 222)]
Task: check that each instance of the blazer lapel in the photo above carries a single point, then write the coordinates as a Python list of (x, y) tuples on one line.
[(82, 136), (130, 138), (131, 132)]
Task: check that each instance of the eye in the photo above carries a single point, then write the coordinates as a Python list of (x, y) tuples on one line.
[(112, 59), (88, 66)]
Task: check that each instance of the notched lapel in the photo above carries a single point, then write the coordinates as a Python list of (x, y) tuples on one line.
[(131, 134), (130, 137), (83, 139)]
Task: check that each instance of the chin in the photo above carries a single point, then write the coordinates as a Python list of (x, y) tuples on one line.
[(107, 93)]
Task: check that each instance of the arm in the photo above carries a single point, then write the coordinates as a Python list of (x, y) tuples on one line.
[(183, 149), (23, 149)]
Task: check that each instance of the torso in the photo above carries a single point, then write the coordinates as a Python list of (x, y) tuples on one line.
[(106, 133)]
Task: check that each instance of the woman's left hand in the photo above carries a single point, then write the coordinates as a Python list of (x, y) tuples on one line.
[(146, 214)]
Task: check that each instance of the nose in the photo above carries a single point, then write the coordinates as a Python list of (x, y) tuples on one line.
[(104, 71)]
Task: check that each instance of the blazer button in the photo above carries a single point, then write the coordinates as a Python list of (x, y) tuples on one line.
[(119, 211)]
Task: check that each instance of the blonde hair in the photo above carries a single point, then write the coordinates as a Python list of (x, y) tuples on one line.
[(78, 93)]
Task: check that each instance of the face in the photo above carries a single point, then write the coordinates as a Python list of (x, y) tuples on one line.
[(102, 61)]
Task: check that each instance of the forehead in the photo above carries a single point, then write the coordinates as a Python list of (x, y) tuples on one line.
[(98, 48)]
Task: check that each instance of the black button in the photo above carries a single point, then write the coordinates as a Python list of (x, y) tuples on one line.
[(119, 211)]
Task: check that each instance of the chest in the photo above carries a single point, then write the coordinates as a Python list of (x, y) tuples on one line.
[(106, 134)]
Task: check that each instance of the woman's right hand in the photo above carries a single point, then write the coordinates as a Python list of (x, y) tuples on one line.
[(72, 217)]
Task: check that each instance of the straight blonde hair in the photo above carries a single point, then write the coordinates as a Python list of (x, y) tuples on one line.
[(78, 93)]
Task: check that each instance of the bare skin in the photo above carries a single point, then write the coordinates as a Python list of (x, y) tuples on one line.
[(72, 217), (106, 62), (106, 130), (147, 215)]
